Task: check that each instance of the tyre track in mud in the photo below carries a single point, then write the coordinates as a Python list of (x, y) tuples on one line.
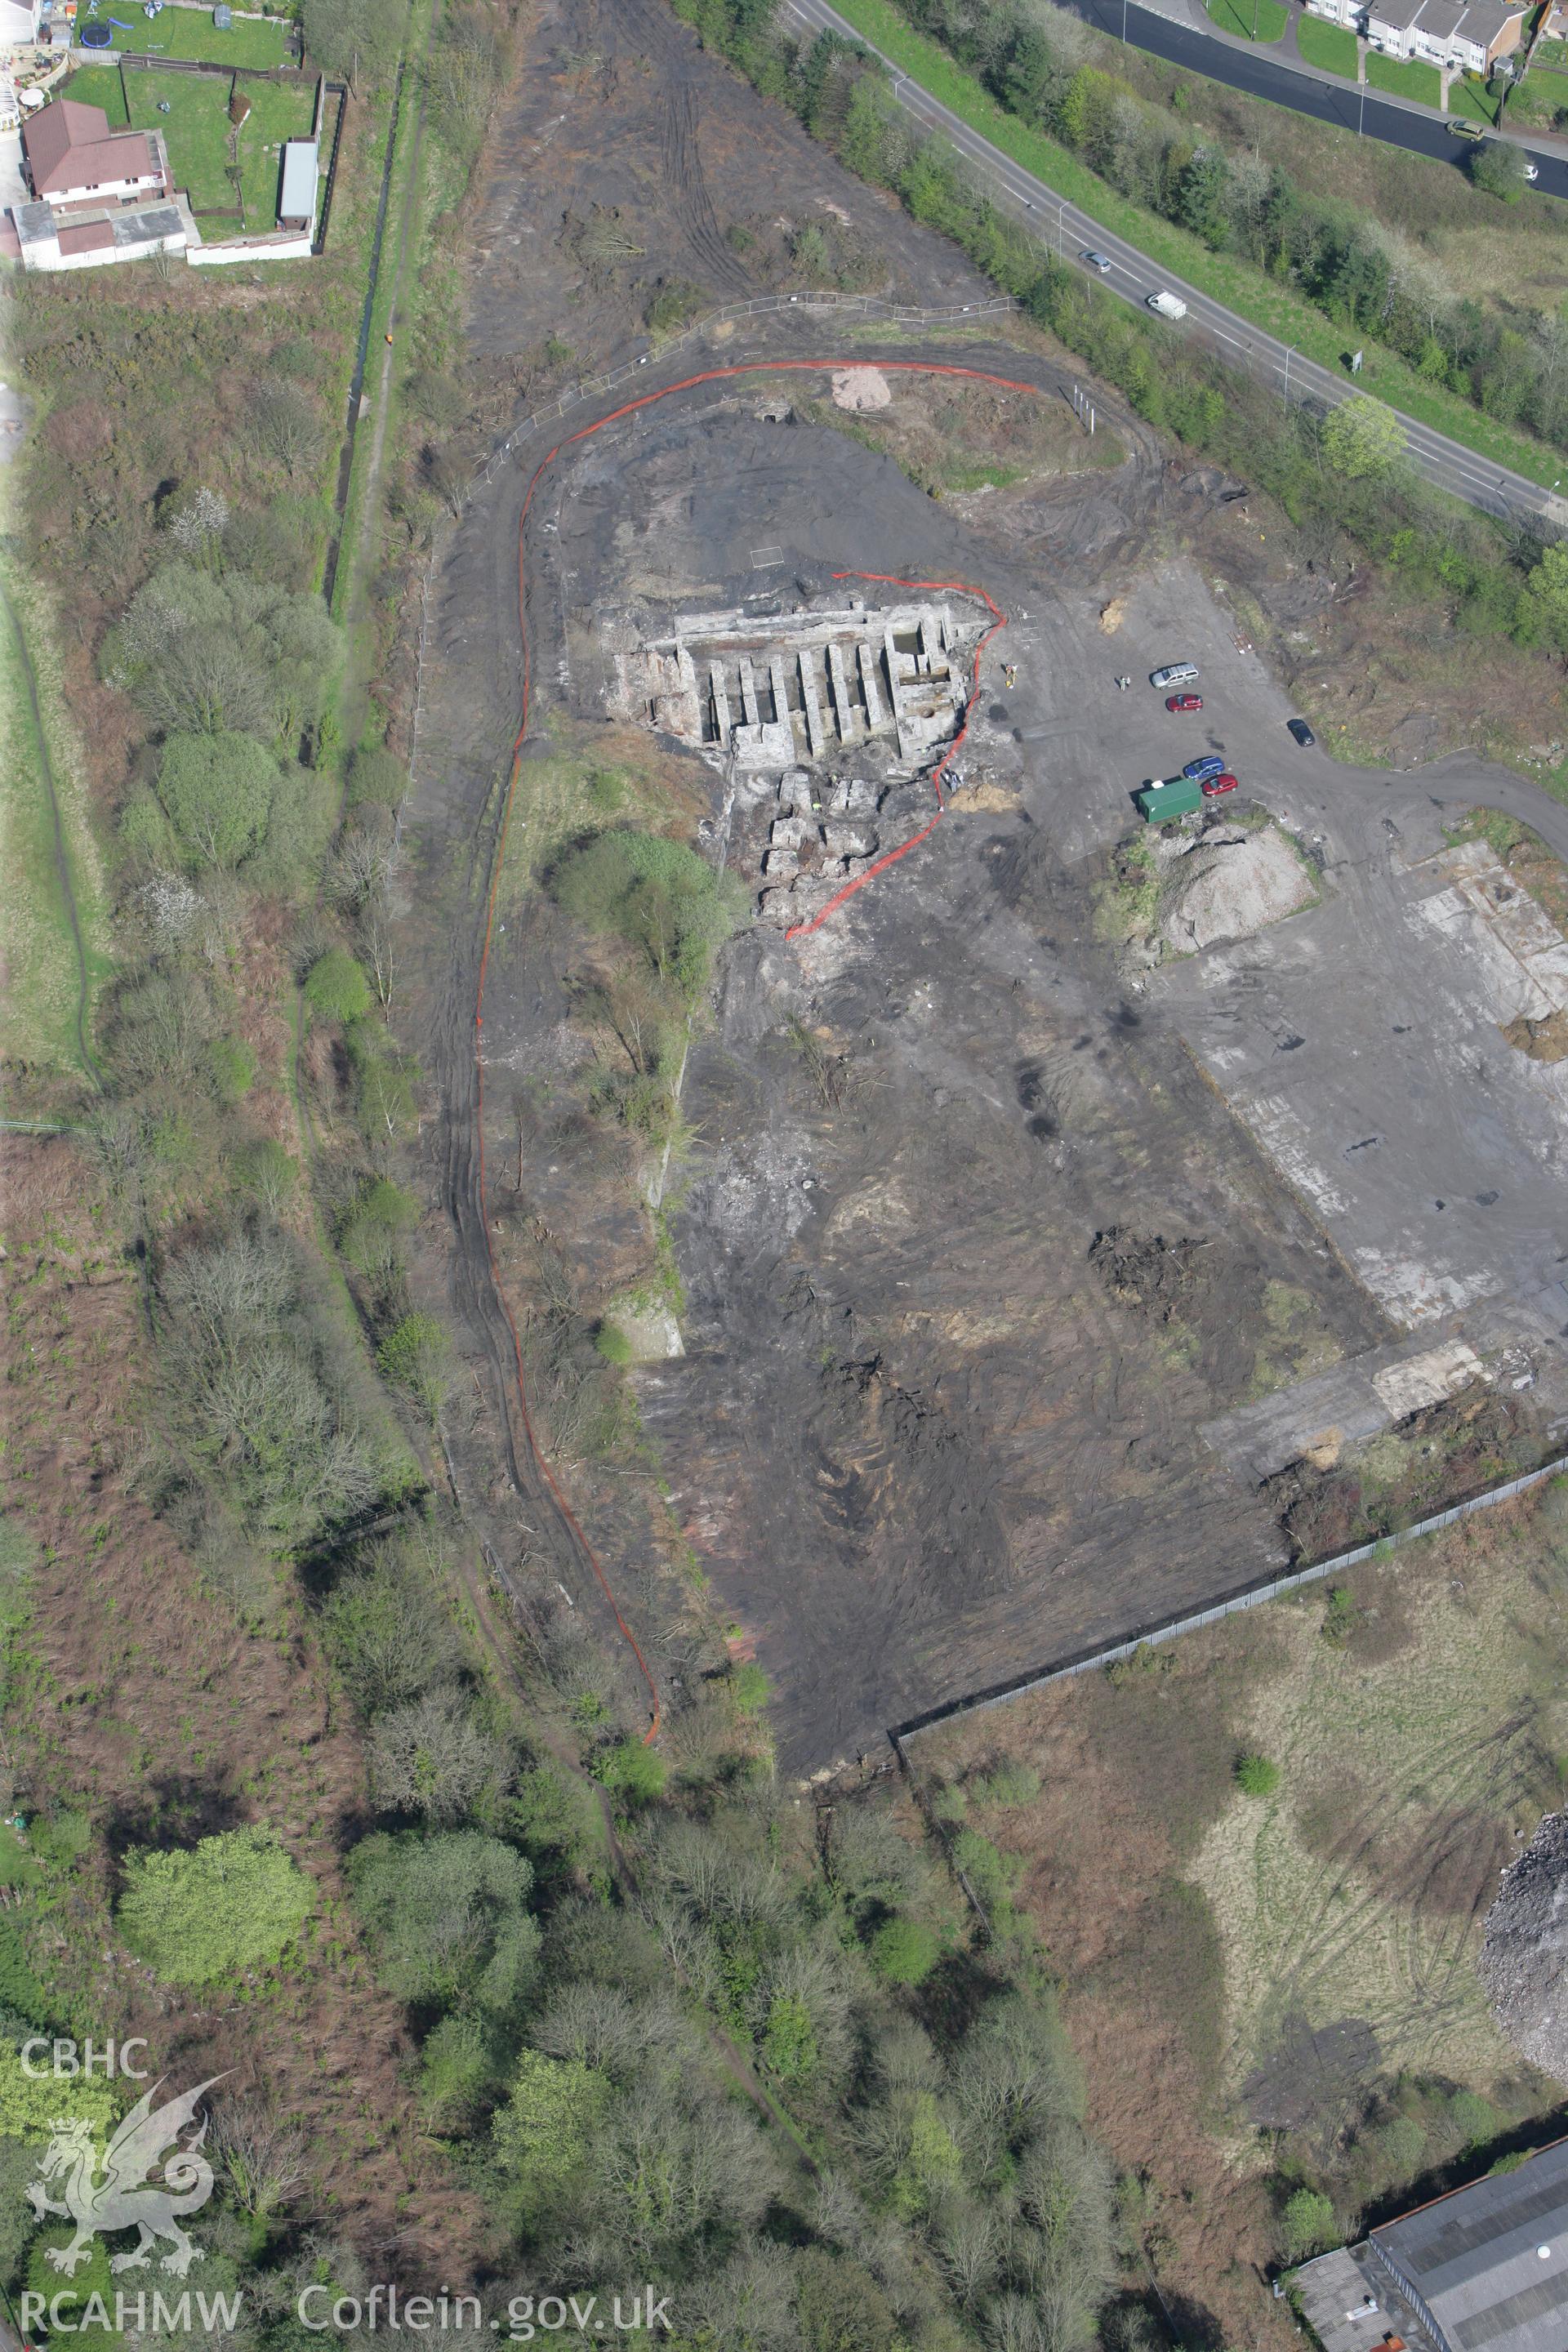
[(680, 153)]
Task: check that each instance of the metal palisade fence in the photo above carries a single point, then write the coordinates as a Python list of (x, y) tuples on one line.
[(1251, 1596)]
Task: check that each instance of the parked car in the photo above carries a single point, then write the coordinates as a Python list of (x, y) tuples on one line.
[(1533, 173), (1467, 130), (1175, 674), (1302, 731), (1200, 770), (1183, 703), (1223, 782), (1100, 261)]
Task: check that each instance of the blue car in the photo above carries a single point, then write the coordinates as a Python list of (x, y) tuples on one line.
[(1200, 770)]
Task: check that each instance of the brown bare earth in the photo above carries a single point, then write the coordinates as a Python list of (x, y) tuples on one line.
[(169, 1701)]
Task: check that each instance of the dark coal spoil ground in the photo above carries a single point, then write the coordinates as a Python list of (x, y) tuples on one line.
[(971, 1249)]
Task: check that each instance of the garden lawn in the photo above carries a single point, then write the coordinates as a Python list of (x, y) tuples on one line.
[(1328, 47), (197, 129), (1237, 284), (1406, 81), (1237, 16), (1467, 97), (190, 33), (278, 110), (99, 85)]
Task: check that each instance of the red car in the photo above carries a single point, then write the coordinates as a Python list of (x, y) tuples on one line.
[(1183, 703), (1220, 784)]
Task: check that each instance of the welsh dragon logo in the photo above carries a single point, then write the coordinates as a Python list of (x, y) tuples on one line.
[(125, 2197)]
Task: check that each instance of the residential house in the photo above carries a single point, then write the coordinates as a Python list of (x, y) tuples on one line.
[(72, 158), (1461, 36)]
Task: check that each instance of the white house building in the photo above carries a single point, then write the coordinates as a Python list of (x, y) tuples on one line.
[(1458, 34)]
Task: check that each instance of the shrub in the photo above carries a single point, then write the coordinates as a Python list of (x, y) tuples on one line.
[(904, 1952), (1307, 2224), (217, 790), (1010, 1784), (634, 1771), (198, 1912), (388, 1630), (416, 1355), (449, 1917), (1255, 1776), (232, 1068), (337, 988), (371, 1232), (376, 776), (749, 1687), (542, 2137), (656, 895), (789, 2039), (613, 1344)]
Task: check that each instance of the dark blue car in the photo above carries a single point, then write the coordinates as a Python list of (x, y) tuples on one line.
[(1200, 770)]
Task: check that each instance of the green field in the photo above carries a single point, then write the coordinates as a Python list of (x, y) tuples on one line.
[(1241, 16), (190, 33), (1328, 47), (1236, 284), (195, 126), (44, 976), (1406, 81)]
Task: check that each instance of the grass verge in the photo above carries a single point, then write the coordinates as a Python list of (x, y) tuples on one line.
[(1328, 47), (1237, 284), (1251, 20), (1467, 98), (1405, 79)]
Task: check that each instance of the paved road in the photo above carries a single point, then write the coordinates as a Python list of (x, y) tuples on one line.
[(1448, 465), (1263, 72)]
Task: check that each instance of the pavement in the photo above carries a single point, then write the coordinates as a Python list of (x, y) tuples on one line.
[(1448, 465)]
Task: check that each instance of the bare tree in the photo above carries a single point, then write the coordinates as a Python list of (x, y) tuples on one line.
[(431, 1757), (261, 2154)]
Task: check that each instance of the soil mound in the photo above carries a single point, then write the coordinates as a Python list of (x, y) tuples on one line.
[(1543, 1041), (1524, 1960), (1228, 887)]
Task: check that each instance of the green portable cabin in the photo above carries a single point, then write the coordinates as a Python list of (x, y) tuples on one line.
[(1179, 797)]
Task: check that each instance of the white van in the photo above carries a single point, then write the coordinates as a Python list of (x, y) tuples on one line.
[(1178, 674), (1169, 306)]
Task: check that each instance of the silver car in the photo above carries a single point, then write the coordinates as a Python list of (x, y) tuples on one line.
[(1178, 674)]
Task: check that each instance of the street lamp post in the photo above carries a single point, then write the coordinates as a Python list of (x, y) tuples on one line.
[(1287, 375), (1061, 209)]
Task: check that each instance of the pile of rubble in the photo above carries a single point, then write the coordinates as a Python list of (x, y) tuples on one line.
[(1524, 1960), (823, 835)]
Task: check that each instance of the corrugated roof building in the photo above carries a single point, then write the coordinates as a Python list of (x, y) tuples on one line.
[(1485, 2269)]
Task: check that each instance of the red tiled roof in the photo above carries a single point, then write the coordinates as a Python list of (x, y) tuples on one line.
[(69, 145)]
